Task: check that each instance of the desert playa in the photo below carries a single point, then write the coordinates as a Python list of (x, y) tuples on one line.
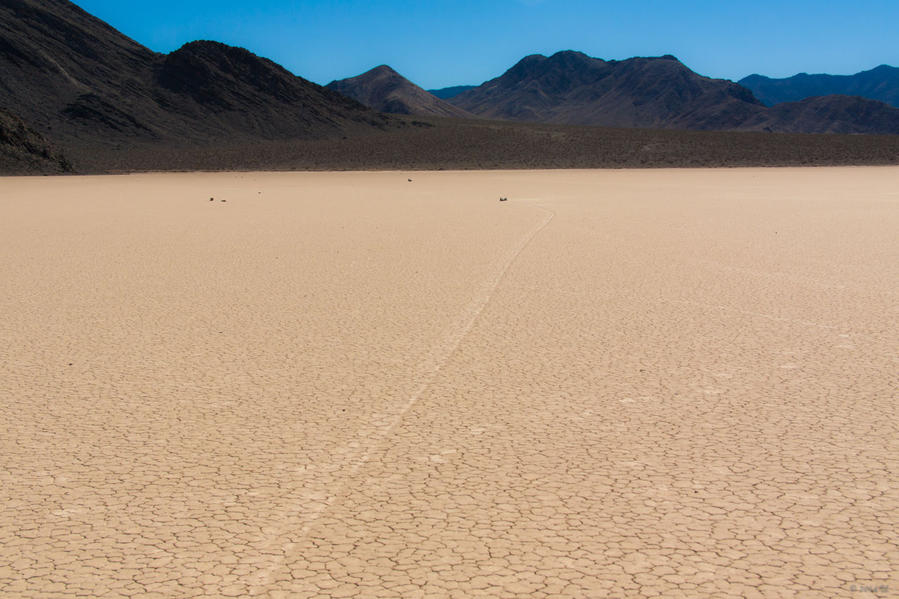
[(321, 385)]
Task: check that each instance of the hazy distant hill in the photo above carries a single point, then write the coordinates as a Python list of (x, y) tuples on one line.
[(77, 80), (385, 90), (829, 114), (573, 88), (881, 83), (445, 93)]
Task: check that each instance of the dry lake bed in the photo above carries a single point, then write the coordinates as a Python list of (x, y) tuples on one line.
[(321, 385)]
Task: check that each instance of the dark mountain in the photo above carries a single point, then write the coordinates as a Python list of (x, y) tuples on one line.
[(829, 114), (23, 150), (234, 92), (659, 93), (573, 88), (385, 90), (80, 83), (71, 86), (881, 83), (445, 93), (63, 70)]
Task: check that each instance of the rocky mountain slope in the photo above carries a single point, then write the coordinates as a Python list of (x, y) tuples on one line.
[(23, 150), (76, 94), (76, 80)]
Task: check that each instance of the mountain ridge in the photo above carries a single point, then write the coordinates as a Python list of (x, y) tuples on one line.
[(74, 88), (572, 88), (73, 78)]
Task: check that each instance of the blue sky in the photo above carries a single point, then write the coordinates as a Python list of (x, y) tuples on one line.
[(438, 43)]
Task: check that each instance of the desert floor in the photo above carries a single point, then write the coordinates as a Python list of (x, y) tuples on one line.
[(616, 384)]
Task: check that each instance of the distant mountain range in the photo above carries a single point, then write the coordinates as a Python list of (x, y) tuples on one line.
[(881, 83), (74, 87), (385, 90), (572, 88), (445, 93)]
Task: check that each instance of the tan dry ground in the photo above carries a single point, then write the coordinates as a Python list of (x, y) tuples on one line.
[(617, 384)]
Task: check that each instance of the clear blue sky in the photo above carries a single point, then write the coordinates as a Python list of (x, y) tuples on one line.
[(438, 43)]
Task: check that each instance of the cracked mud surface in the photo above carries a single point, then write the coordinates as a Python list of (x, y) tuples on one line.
[(616, 384)]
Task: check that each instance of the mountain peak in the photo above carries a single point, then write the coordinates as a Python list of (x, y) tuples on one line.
[(569, 54), (219, 76), (383, 69), (385, 90)]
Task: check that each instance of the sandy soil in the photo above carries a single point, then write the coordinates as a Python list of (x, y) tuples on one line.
[(616, 384)]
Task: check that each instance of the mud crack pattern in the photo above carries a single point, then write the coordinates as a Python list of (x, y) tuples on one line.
[(616, 384)]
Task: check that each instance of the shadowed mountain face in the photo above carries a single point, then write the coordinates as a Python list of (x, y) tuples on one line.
[(881, 83), (237, 92), (74, 78), (385, 90), (573, 88), (66, 71), (71, 86)]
